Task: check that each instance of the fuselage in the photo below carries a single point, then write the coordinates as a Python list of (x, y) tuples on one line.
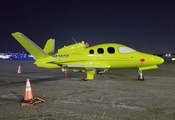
[(109, 55)]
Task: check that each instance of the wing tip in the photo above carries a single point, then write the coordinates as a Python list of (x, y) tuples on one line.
[(16, 33)]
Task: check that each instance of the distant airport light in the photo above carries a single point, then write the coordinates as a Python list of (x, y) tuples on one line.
[(173, 59), (167, 55)]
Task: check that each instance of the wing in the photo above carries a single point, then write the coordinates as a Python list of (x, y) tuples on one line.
[(85, 65)]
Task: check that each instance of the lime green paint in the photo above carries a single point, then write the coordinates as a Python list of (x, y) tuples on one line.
[(90, 74), (148, 67), (72, 48), (77, 57), (49, 46), (32, 48)]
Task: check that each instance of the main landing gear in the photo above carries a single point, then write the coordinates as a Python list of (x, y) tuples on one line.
[(141, 78), (89, 75)]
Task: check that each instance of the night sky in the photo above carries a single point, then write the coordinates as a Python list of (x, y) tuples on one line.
[(145, 25)]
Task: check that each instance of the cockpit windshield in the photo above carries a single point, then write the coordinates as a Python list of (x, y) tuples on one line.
[(125, 49)]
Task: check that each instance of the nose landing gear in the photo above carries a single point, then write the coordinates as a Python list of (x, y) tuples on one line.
[(140, 77)]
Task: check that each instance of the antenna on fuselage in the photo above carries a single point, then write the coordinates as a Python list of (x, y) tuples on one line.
[(74, 40)]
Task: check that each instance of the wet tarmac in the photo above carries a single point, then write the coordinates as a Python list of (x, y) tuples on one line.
[(116, 95)]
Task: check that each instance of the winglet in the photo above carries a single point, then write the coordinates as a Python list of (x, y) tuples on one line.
[(30, 46)]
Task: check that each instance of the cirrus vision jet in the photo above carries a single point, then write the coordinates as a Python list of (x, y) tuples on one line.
[(90, 60)]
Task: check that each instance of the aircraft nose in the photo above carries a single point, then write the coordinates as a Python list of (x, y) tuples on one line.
[(159, 60)]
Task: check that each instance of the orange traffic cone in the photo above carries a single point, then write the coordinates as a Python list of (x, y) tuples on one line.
[(28, 91), (28, 97), (19, 70)]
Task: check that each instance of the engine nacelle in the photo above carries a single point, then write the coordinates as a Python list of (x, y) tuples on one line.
[(73, 47)]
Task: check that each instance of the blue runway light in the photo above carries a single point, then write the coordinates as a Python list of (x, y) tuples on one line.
[(17, 56)]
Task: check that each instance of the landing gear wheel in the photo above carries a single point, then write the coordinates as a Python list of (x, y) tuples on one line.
[(100, 72), (84, 78), (141, 78)]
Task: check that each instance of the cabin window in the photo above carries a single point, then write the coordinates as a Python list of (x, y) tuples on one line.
[(91, 51), (111, 50), (100, 50), (125, 49)]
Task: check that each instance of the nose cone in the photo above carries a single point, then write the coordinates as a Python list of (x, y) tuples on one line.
[(159, 60), (148, 59)]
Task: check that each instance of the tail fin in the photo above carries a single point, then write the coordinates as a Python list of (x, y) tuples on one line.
[(30, 46), (50, 46)]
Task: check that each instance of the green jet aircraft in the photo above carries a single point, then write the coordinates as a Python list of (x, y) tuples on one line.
[(91, 60)]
